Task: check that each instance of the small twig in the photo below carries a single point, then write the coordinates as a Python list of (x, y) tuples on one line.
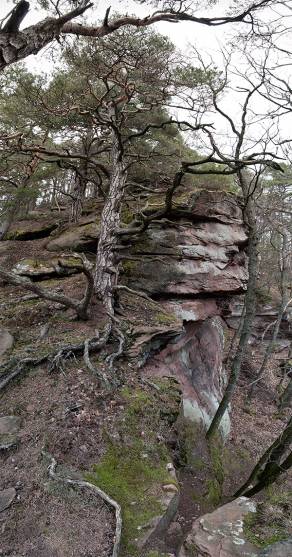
[(80, 483), (150, 384)]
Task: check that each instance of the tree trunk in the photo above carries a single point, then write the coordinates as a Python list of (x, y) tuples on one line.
[(269, 349), (235, 337), (286, 397), (106, 273), (250, 304), (8, 220), (269, 467), (282, 308), (16, 45)]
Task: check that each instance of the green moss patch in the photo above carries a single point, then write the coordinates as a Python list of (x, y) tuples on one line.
[(133, 470), (272, 521)]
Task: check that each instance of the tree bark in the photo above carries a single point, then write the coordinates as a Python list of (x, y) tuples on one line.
[(16, 45), (286, 397), (106, 273)]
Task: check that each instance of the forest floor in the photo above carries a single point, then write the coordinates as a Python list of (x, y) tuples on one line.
[(66, 414)]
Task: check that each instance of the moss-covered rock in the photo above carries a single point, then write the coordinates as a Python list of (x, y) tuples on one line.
[(40, 269), (31, 229), (82, 236)]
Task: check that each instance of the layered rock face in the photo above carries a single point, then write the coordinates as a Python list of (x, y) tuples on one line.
[(193, 263), (194, 266)]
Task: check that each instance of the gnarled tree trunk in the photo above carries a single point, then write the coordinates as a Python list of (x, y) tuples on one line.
[(106, 273)]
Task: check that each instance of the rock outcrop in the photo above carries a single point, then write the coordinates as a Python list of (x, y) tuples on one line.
[(195, 359), (31, 229), (40, 269), (193, 262), (80, 237), (221, 533)]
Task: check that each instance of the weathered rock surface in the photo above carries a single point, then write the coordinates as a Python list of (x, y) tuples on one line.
[(39, 269), (189, 259), (6, 341), (195, 359), (9, 428), (220, 533), (6, 498), (31, 229), (201, 252), (80, 237)]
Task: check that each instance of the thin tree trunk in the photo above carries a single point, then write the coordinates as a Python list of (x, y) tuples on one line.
[(269, 467), (286, 397), (235, 337), (269, 348), (282, 308), (250, 304), (8, 220), (81, 180), (106, 273)]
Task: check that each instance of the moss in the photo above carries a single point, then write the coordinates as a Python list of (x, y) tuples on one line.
[(165, 318), (155, 554), (214, 493), (272, 521), (189, 432), (130, 478), (127, 215), (130, 267), (216, 453), (134, 470)]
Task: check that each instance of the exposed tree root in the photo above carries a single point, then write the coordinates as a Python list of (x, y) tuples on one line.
[(80, 483), (15, 367), (119, 335), (99, 374), (135, 292)]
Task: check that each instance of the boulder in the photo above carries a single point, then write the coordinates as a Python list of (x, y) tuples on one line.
[(204, 205), (220, 533), (31, 229), (40, 269), (77, 237), (212, 205), (9, 428), (6, 498), (6, 341), (279, 549)]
